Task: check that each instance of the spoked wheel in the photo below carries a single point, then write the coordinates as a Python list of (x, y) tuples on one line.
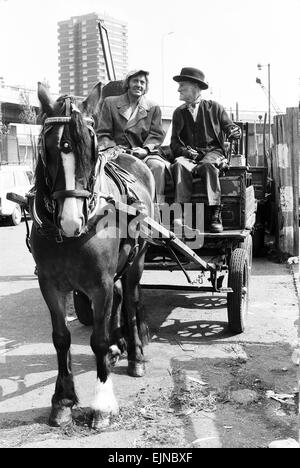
[(83, 308), (247, 244), (238, 280)]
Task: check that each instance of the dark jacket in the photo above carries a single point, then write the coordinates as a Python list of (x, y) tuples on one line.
[(144, 130), (204, 135)]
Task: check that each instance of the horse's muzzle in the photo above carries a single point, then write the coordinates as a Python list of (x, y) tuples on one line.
[(71, 227), (72, 212), (71, 216)]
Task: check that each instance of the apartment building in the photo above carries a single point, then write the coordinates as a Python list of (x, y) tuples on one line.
[(81, 58)]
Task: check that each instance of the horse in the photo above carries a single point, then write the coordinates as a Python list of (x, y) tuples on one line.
[(76, 249)]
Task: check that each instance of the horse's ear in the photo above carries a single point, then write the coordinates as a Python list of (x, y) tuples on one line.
[(90, 103), (45, 99)]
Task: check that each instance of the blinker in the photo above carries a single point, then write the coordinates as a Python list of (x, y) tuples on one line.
[(65, 147)]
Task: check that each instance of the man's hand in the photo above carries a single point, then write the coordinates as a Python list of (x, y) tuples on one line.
[(140, 153), (190, 153), (110, 153), (235, 133)]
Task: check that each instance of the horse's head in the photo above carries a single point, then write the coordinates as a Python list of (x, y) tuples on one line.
[(69, 156)]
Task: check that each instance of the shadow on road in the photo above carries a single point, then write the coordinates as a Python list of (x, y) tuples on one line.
[(192, 317)]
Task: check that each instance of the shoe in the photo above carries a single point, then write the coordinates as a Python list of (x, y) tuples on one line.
[(216, 219)]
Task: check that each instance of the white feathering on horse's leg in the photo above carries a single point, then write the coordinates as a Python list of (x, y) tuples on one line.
[(105, 401)]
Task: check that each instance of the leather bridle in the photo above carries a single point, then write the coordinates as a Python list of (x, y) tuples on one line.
[(66, 147)]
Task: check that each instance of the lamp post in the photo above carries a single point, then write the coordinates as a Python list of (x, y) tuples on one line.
[(260, 66), (163, 64)]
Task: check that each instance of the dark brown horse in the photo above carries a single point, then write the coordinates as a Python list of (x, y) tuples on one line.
[(77, 249)]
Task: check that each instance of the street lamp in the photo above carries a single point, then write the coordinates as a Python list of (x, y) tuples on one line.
[(163, 63), (260, 66)]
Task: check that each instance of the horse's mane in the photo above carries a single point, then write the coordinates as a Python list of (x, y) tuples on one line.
[(39, 178)]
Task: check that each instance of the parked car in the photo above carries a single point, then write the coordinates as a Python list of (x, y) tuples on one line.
[(18, 179)]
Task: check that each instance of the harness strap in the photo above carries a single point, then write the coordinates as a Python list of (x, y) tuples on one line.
[(27, 230), (68, 106), (71, 194), (129, 262)]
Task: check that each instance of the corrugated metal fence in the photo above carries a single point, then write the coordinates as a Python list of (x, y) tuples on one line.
[(285, 169)]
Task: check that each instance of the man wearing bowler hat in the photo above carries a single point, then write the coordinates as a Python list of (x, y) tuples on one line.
[(198, 130)]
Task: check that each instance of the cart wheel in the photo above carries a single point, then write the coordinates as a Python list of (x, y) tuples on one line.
[(16, 216), (247, 245), (238, 280), (83, 308)]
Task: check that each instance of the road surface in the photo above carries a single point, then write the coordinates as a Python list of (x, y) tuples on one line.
[(203, 387)]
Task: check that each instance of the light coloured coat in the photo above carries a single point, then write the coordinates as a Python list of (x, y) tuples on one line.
[(144, 130)]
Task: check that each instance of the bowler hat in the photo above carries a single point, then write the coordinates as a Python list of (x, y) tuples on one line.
[(192, 74)]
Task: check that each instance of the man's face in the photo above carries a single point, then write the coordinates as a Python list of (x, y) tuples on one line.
[(188, 91), (137, 85)]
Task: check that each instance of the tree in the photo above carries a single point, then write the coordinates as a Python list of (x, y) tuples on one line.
[(28, 114)]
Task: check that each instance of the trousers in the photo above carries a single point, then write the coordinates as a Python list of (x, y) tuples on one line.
[(207, 169), (161, 169)]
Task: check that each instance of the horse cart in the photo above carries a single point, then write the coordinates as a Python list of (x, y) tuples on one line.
[(74, 250), (226, 257)]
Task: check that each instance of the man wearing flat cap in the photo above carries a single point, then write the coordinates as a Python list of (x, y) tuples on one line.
[(198, 130), (133, 122)]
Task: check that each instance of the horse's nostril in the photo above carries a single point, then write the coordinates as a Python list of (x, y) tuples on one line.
[(80, 228)]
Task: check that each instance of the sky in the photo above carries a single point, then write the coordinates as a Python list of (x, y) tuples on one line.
[(226, 39)]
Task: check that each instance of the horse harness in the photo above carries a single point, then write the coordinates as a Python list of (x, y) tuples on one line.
[(91, 195)]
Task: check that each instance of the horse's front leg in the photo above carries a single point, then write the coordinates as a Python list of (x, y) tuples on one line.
[(64, 397), (105, 404)]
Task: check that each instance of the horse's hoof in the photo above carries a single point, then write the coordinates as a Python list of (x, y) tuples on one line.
[(100, 421), (136, 369), (60, 416)]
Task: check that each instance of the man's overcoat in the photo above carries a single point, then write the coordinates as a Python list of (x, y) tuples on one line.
[(144, 130)]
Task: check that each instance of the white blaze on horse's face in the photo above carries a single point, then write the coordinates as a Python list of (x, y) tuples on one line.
[(71, 221)]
